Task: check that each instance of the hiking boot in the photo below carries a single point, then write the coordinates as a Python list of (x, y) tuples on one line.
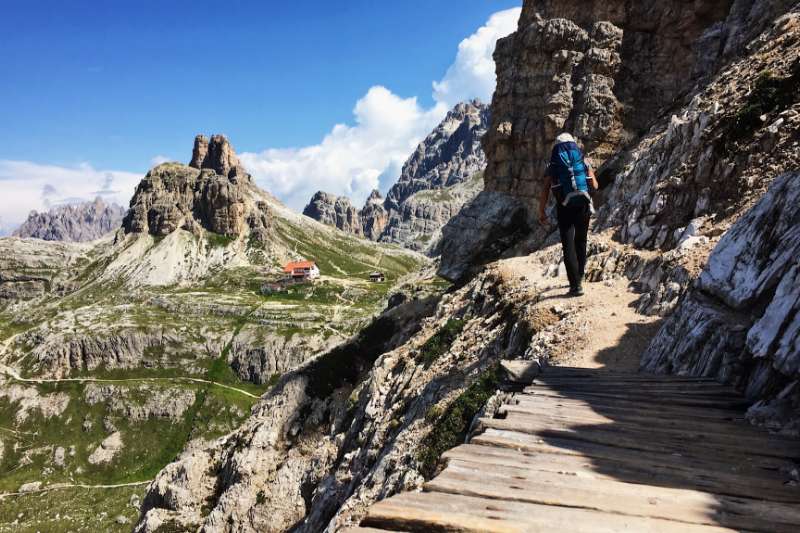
[(575, 292)]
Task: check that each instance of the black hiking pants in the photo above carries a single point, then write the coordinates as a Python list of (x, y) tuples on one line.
[(573, 224)]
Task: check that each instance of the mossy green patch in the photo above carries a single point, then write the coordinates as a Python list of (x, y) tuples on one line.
[(71, 510), (450, 429), (440, 343), (216, 240)]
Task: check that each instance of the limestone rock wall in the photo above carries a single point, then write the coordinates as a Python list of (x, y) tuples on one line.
[(608, 72), (741, 320)]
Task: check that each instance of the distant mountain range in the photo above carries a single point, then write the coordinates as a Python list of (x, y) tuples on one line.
[(72, 223)]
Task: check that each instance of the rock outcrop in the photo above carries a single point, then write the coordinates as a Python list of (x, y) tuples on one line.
[(740, 322), (214, 193), (447, 164), (73, 223), (604, 71), (336, 211), (374, 216)]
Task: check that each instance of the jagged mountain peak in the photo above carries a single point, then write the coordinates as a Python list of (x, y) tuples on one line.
[(217, 154), (451, 154), (213, 192), (446, 160), (82, 222)]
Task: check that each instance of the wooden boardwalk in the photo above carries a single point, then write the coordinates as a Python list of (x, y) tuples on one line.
[(592, 451)]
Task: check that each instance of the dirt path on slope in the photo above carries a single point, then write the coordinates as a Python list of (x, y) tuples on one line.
[(599, 330)]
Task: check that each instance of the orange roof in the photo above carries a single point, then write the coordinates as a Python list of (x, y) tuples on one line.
[(291, 267)]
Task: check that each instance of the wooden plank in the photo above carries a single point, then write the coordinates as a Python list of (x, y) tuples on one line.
[(612, 405), (597, 374), (633, 470), (640, 388), (753, 444), (737, 404), (608, 457), (440, 512), (633, 379), (613, 496), (653, 392), (743, 433), (653, 441), (584, 413)]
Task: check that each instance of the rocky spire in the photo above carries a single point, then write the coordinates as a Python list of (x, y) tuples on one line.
[(199, 152), (218, 155), (211, 193)]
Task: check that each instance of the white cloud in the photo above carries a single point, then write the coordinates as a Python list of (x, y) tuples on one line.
[(354, 159), (30, 186), (159, 159), (472, 75), (350, 159)]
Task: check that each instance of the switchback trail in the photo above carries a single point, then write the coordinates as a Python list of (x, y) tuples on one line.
[(10, 372), (587, 450), (62, 486)]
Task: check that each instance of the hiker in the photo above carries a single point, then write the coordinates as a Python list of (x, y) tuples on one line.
[(572, 179)]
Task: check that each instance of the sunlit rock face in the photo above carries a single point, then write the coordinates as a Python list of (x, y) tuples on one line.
[(213, 192)]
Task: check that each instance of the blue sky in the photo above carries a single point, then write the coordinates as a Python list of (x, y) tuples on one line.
[(105, 89)]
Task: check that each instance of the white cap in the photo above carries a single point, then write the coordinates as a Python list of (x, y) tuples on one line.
[(565, 138)]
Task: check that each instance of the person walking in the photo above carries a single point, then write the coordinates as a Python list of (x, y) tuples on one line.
[(572, 180)]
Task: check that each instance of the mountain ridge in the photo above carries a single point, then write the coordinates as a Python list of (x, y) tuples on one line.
[(73, 222), (448, 157)]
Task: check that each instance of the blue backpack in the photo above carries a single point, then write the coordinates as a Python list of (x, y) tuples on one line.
[(569, 173)]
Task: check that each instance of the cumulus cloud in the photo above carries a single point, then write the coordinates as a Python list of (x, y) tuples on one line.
[(472, 75), (354, 159), (30, 186), (350, 160)]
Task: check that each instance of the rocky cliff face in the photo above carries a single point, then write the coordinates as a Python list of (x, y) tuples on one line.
[(684, 188), (446, 163), (604, 71), (336, 211), (451, 154), (213, 193), (739, 322), (73, 223), (374, 216)]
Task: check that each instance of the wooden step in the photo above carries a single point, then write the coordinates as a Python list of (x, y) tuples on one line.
[(645, 387), (613, 496), (654, 441), (630, 469), (557, 372), (744, 434), (609, 456), (733, 403), (441, 512), (584, 450), (719, 439), (610, 405)]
